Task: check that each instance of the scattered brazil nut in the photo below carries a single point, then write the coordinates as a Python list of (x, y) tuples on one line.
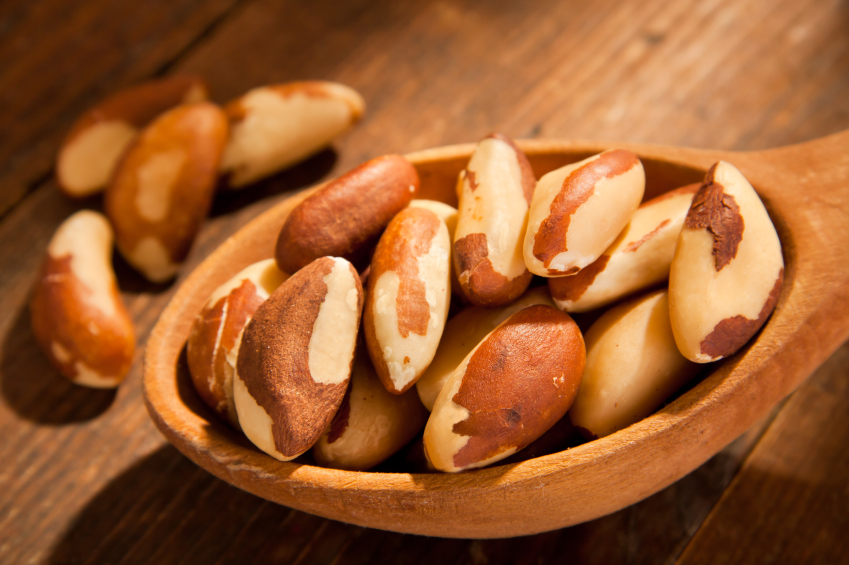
[(514, 386), (213, 344), (728, 270), (163, 186), (273, 127), (633, 366), (495, 191), (639, 258), (371, 424), (97, 139), (76, 312), (462, 333), (295, 358), (578, 210), (409, 291), (346, 215)]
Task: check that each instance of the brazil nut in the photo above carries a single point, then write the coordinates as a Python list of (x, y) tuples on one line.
[(728, 270), (295, 358), (578, 210)]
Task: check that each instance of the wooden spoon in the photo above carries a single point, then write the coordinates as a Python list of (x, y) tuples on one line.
[(806, 191)]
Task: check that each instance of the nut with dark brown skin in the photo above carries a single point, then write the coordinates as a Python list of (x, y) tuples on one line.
[(348, 214), (516, 384), (295, 358), (579, 210), (99, 137), (633, 366), (76, 312), (371, 424), (409, 291), (274, 127), (462, 333), (213, 344), (728, 270), (639, 258), (495, 191), (162, 188)]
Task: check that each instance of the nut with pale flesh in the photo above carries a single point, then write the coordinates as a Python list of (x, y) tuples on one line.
[(213, 344), (99, 137), (295, 358), (639, 258), (495, 191), (514, 386), (462, 333), (162, 188), (274, 127), (76, 312), (578, 210), (408, 297), (728, 270), (371, 424), (346, 216), (633, 366)]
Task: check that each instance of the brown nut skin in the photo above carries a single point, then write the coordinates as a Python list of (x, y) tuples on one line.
[(295, 358), (76, 312), (728, 270), (638, 259), (447, 214), (98, 138), (578, 210), (213, 344), (495, 191), (274, 127), (347, 214), (409, 291), (509, 390), (162, 188), (371, 424), (462, 333), (633, 366)]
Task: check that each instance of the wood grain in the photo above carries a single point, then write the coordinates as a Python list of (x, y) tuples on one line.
[(85, 475)]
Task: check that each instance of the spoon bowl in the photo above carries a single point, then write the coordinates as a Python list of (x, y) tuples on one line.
[(805, 189)]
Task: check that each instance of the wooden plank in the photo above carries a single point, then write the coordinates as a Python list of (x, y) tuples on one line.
[(790, 501), (86, 477), (60, 57)]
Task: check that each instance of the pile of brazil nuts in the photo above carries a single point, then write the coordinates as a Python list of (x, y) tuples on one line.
[(320, 347), (159, 151)]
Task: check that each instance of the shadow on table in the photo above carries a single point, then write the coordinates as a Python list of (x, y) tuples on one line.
[(164, 509), (35, 390)]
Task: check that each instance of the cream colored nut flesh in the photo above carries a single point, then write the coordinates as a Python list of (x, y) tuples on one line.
[(447, 214), (345, 217), (371, 424), (408, 297), (162, 188), (76, 312), (274, 127), (213, 344), (728, 270), (633, 366), (462, 333), (514, 386), (99, 137), (495, 191), (295, 358), (639, 258), (578, 211)]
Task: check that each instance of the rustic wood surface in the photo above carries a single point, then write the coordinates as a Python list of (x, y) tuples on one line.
[(85, 476)]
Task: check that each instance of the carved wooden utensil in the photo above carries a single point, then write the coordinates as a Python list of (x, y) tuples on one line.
[(806, 191)]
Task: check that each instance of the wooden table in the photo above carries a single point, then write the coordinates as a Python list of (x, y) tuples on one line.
[(85, 477)]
